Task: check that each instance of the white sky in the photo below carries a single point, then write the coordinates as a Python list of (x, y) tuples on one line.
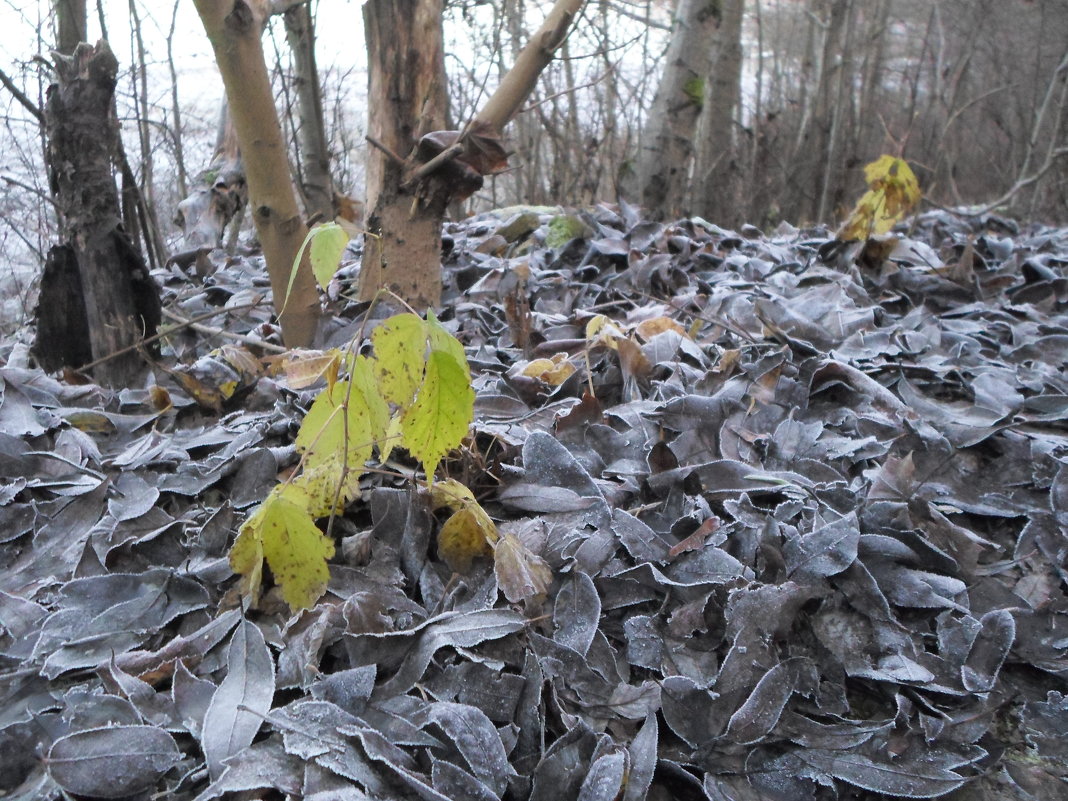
[(26, 31)]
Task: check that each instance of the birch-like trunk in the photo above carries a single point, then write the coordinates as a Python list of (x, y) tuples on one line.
[(233, 28), (666, 153)]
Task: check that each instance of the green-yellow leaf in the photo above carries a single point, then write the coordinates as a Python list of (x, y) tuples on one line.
[(442, 340), (340, 421), (444, 408), (282, 532), (367, 388), (400, 354), (327, 244)]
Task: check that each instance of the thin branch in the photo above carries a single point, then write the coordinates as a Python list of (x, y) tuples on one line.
[(446, 155), (168, 332), (1023, 183), (22, 98), (594, 82), (244, 339), (386, 149), (32, 189)]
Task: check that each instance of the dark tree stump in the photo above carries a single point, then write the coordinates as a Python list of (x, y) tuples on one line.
[(119, 302)]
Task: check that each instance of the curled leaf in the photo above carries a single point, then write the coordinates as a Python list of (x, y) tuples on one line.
[(521, 574)]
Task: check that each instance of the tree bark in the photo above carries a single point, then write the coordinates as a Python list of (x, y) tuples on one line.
[(408, 195), (667, 141), (406, 98), (315, 181), (233, 28), (716, 173), (71, 23), (118, 303)]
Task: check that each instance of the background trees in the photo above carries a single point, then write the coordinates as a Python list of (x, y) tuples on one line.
[(797, 95)]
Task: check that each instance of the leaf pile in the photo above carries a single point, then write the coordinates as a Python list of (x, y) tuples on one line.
[(805, 524)]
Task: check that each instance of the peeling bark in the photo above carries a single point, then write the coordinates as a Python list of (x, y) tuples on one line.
[(410, 187)]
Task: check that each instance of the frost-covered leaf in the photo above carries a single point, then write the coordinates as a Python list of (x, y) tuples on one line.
[(242, 700), (112, 761)]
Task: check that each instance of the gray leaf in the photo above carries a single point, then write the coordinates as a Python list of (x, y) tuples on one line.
[(915, 779), (242, 700), (576, 613), (476, 738), (112, 762), (642, 760), (823, 552), (996, 634)]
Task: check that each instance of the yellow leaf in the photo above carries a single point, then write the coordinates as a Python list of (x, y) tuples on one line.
[(553, 372), (647, 329), (601, 330), (451, 494), (466, 535), (246, 555), (328, 484), (296, 552), (400, 353), (892, 194), (340, 420), (443, 409), (327, 244), (392, 437), (521, 574), (283, 533)]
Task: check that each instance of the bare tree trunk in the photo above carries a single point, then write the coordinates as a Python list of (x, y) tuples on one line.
[(716, 162), (71, 25), (234, 28), (406, 98), (316, 183), (667, 142), (96, 288), (837, 97), (815, 135), (176, 109), (408, 195)]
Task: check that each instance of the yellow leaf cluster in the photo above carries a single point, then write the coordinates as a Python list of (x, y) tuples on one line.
[(417, 387), (552, 372), (470, 533), (893, 192)]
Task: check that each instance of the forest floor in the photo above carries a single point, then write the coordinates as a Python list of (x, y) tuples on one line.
[(805, 511)]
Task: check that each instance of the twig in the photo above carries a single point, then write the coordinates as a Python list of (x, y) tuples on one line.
[(594, 82), (244, 339), (385, 149), (446, 155), (168, 332), (22, 98), (34, 190)]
